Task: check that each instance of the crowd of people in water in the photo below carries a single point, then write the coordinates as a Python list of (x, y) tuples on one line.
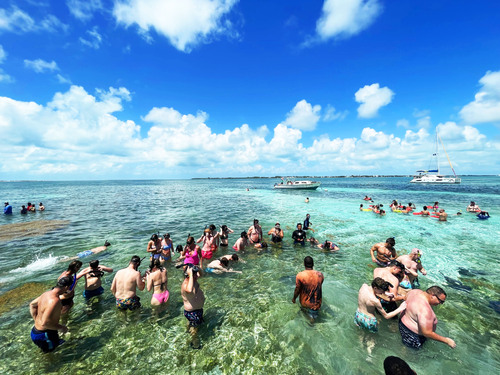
[(25, 209), (393, 290)]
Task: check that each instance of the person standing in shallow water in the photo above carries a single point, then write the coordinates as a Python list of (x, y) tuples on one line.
[(125, 284), (194, 300), (71, 272), (255, 232), (308, 285)]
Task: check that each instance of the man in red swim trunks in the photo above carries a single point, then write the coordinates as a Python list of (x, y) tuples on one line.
[(308, 285)]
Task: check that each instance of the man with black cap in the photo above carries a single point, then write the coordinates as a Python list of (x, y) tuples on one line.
[(125, 284), (46, 312)]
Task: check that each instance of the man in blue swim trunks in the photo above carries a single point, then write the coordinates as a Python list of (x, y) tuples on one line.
[(93, 275), (368, 302), (46, 312), (194, 300)]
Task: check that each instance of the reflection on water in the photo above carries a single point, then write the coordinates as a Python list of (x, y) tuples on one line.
[(251, 326)]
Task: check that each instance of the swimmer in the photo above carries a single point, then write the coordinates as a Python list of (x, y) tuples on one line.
[(435, 207), (313, 241), (385, 252), (93, 275), (299, 236), (24, 210), (7, 210), (67, 296), (391, 274), (41, 207), (473, 207), (418, 322), (443, 216), (381, 213), (412, 265), (46, 312), (307, 223), (307, 200), (276, 233), (361, 207), (125, 284), (328, 245), (86, 253), (241, 242), (194, 300), (233, 258), (368, 302), (255, 232), (483, 215), (224, 235), (424, 212), (367, 198), (219, 266), (396, 366), (157, 280)]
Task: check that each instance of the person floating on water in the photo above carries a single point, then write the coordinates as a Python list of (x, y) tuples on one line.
[(86, 253), (220, 265), (385, 252), (125, 285), (307, 223), (276, 233), (418, 322), (46, 312), (328, 245), (93, 275), (308, 285), (368, 302), (72, 273), (194, 300), (299, 236)]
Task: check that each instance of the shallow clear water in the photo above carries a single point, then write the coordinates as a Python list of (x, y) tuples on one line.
[(251, 325)]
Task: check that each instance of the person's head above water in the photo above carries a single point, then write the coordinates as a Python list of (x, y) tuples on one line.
[(381, 284), (178, 249), (154, 237), (244, 235), (135, 260), (224, 262), (396, 366), (234, 257), (190, 240), (299, 225), (391, 241), (308, 262), (94, 264), (395, 263), (74, 266), (64, 282), (255, 221)]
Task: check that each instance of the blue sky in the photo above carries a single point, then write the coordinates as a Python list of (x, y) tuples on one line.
[(102, 89)]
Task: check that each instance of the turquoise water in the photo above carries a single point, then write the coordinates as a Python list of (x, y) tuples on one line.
[(251, 325)]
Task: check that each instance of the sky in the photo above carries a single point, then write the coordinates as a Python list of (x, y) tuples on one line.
[(147, 89)]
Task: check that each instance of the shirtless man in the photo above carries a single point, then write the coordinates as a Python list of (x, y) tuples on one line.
[(328, 245), (368, 301), (255, 232), (46, 312), (308, 286), (194, 300), (125, 284), (220, 265), (412, 264), (390, 274), (93, 275), (385, 252), (418, 322), (86, 253), (424, 212), (276, 233), (443, 216), (241, 242)]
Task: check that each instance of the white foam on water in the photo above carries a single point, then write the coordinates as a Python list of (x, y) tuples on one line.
[(37, 265)]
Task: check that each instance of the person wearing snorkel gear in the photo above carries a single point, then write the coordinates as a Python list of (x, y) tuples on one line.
[(241, 242), (413, 265), (93, 275), (154, 246), (224, 235), (276, 233), (210, 241), (328, 245), (255, 232), (194, 300), (299, 235), (72, 273), (125, 285)]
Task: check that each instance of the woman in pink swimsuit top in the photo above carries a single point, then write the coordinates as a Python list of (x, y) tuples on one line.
[(190, 252), (209, 244)]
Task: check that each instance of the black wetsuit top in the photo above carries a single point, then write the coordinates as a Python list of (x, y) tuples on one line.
[(299, 235)]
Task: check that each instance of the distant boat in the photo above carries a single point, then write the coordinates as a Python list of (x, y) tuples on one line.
[(433, 176), (290, 183)]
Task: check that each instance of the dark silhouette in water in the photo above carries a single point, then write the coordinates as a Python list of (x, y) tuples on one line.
[(471, 273), (455, 284), (495, 305)]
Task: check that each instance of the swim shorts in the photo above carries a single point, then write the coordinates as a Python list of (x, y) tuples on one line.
[(381, 264), (405, 284), (195, 317), (410, 338), (364, 321), (313, 314), (84, 254), (47, 340), (93, 293), (207, 254), (131, 303)]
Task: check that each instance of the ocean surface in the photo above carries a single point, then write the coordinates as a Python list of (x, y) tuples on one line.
[(251, 325)]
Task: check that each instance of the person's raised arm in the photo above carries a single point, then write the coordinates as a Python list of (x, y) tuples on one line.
[(83, 272), (189, 287), (106, 269), (200, 239)]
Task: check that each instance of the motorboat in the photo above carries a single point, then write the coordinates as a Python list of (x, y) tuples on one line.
[(433, 176), (290, 183)]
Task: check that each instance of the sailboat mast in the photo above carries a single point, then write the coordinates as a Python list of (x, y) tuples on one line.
[(437, 152), (449, 161)]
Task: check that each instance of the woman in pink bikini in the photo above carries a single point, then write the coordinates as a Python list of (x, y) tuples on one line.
[(157, 280), (209, 244)]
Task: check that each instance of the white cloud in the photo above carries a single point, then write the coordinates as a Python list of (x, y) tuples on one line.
[(41, 66), (372, 98), (404, 123), (486, 105), (3, 54), (95, 39), (18, 21), (84, 9), (4, 77), (184, 23), (344, 18), (331, 114), (63, 79), (303, 116)]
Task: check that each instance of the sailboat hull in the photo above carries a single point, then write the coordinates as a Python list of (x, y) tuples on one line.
[(435, 179)]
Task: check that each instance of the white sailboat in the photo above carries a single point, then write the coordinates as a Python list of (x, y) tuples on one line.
[(433, 176)]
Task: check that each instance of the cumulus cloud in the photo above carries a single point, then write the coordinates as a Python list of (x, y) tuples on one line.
[(331, 114), (184, 23), (94, 39), (344, 18), (303, 116), (17, 21), (486, 105), (84, 9), (372, 98), (41, 66)]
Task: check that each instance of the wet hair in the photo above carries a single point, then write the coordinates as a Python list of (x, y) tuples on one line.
[(178, 249), (136, 260), (425, 208), (382, 211), (308, 262), (190, 240), (390, 241), (23, 206), (361, 205), (224, 227), (212, 227), (327, 245), (40, 204), (381, 205), (395, 263), (106, 243), (224, 262), (235, 257), (244, 235), (435, 290), (396, 366), (155, 263), (154, 237), (255, 221), (166, 235), (64, 282), (381, 284), (74, 266), (94, 264)]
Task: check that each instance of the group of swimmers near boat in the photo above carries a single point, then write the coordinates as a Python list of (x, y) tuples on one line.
[(393, 290), (25, 209)]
